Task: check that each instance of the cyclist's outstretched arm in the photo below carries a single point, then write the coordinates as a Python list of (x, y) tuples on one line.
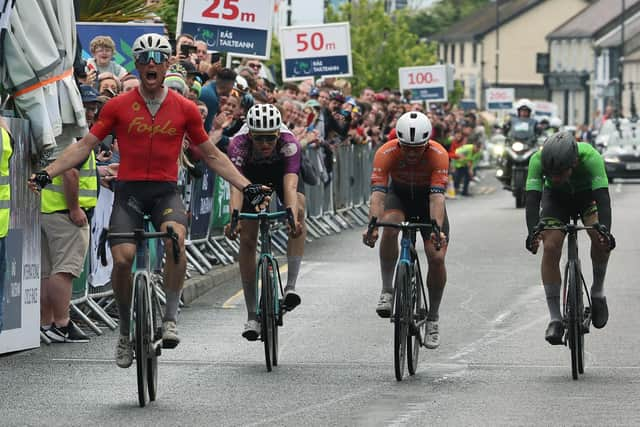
[(532, 209), (376, 204), (436, 208), (73, 155), (218, 162)]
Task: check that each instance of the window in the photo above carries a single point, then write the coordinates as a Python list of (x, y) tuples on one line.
[(445, 49), (461, 53), (453, 53), (474, 52)]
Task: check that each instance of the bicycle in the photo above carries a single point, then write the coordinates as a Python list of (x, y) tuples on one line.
[(145, 329), (410, 308), (270, 309), (576, 318)]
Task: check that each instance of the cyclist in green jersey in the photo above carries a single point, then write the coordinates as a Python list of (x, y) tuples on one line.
[(567, 178)]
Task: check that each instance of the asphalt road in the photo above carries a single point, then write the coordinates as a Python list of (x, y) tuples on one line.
[(336, 365)]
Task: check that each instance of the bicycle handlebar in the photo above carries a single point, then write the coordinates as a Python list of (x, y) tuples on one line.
[(236, 216), (573, 228), (138, 235), (406, 225)]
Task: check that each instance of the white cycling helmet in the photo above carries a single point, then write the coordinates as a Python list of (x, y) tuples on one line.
[(525, 103), (555, 122), (413, 128), (263, 118), (151, 42)]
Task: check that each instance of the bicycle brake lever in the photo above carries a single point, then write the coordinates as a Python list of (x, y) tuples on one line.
[(174, 242), (290, 219), (435, 229), (234, 220), (371, 226)]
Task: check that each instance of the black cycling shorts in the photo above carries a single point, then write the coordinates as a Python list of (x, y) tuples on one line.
[(135, 199), (274, 178), (558, 207), (414, 207)]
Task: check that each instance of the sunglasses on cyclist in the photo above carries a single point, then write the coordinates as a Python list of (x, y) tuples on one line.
[(265, 139), (157, 56)]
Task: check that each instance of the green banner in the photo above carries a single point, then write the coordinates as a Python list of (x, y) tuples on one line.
[(221, 195)]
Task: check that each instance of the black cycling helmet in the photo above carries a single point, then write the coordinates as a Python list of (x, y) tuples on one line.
[(559, 153)]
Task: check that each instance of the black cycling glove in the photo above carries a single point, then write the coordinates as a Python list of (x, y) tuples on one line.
[(41, 179), (254, 194)]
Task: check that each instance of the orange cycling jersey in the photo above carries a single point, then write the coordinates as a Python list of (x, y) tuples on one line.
[(430, 172), (149, 146)]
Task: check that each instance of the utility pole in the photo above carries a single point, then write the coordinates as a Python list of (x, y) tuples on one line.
[(621, 62), (498, 42)]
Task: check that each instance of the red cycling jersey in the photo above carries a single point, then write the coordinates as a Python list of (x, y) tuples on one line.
[(430, 172), (149, 146)]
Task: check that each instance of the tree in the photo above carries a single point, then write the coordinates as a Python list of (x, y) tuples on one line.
[(114, 10), (168, 11), (442, 15), (380, 44)]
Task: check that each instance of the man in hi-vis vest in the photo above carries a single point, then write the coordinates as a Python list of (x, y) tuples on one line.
[(66, 206), (5, 203)]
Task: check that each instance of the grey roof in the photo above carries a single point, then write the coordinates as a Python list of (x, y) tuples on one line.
[(588, 22), (613, 38), (484, 20)]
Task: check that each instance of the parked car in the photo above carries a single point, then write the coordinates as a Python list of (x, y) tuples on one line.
[(619, 142)]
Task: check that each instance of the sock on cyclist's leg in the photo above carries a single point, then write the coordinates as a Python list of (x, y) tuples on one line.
[(171, 309), (552, 292), (599, 271), (250, 300), (435, 297), (293, 263), (386, 268), (124, 311)]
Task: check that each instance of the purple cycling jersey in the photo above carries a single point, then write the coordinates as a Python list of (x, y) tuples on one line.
[(286, 153)]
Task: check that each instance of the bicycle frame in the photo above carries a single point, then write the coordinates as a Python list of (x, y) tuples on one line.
[(266, 257)]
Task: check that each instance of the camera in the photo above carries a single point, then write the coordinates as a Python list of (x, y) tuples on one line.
[(215, 57), (186, 50)]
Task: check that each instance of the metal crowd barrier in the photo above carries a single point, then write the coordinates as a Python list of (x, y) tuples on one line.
[(337, 203)]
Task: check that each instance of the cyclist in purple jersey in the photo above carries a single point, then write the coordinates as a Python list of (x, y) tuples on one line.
[(267, 151)]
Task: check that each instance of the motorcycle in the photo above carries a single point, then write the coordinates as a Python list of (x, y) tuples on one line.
[(513, 165)]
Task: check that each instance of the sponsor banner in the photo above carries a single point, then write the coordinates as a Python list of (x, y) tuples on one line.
[(500, 98), (201, 205), (311, 67), (316, 51), (426, 83), (20, 293), (123, 36), (238, 27)]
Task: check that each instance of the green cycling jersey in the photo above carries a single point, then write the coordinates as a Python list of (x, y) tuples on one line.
[(589, 174)]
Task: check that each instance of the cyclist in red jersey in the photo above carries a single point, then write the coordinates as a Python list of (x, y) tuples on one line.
[(150, 124), (409, 179)]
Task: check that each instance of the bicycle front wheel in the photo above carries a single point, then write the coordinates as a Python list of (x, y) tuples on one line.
[(142, 326), (152, 360), (400, 324), (574, 320), (418, 322), (267, 315)]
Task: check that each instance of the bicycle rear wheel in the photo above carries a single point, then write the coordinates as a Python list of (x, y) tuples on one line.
[(276, 315), (156, 336), (574, 321), (267, 320), (401, 310), (419, 314), (141, 327)]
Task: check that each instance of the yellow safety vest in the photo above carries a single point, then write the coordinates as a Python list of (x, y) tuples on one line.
[(53, 199), (5, 189)]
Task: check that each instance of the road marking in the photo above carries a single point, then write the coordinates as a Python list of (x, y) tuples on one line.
[(232, 302), (351, 365), (280, 417)]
